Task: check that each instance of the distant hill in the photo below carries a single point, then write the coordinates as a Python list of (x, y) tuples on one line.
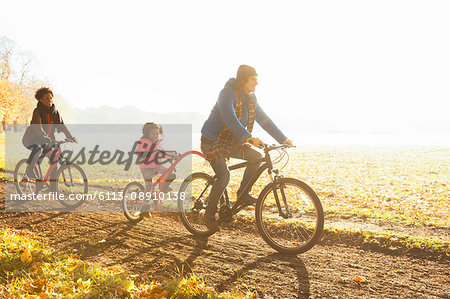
[(133, 115), (295, 125)]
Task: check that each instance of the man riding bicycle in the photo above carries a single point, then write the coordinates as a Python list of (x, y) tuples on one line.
[(226, 132)]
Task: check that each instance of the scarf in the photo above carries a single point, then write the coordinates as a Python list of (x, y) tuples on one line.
[(222, 146)]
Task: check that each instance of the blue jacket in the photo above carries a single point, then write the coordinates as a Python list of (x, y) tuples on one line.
[(223, 114)]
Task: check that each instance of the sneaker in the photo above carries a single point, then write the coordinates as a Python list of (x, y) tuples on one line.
[(146, 210), (30, 174), (167, 190), (248, 200), (211, 224), (167, 187), (39, 186)]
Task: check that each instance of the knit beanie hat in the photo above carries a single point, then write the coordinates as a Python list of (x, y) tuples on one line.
[(244, 72)]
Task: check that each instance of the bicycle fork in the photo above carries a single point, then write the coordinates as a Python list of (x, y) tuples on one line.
[(70, 183), (278, 185)]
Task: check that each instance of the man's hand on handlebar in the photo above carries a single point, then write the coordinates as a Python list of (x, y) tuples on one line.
[(288, 142), (258, 143), (255, 142)]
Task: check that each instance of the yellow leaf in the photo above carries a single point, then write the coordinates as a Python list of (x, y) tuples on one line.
[(86, 284), (127, 285), (26, 257)]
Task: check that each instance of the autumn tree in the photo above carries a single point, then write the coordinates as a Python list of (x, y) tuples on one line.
[(16, 84)]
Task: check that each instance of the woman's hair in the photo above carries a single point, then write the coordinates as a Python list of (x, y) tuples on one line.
[(150, 126), (41, 91)]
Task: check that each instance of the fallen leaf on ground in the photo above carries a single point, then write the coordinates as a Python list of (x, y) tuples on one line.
[(360, 279), (26, 257)]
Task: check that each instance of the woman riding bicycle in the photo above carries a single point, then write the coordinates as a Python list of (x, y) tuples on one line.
[(226, 132), (41, 133)]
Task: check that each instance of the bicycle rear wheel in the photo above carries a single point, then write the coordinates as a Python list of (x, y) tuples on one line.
[(131, 205), (24, 185), (196, 188), (302, 228)]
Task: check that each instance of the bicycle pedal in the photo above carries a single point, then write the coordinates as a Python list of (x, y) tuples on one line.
[(225, 221)]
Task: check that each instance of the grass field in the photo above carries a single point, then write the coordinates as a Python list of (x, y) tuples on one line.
[(407, 184)]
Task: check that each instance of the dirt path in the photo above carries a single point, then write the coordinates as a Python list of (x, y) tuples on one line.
[(235, 259)]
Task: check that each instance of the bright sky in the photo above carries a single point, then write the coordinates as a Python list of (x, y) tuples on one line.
[(339, 60)]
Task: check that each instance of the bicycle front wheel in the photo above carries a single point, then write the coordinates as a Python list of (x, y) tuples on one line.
[(293, 223), (196, 188), (71, 181)]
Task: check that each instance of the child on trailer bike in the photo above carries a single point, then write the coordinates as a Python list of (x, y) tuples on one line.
[(152, 155), (226, 131)]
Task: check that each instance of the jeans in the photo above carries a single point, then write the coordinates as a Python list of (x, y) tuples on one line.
[(223, 173), (38, 147)]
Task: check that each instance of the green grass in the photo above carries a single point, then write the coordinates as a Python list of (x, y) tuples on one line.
[(389, 241), (383, 240), (393, 217), (2, 156), (29, 267), (110, 176), (406, 184)]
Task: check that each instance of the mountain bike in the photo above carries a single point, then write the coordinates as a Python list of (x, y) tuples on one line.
[(289, 215), (68, 179)]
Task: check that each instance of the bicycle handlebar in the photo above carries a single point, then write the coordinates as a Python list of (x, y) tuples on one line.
[(268, 147), (271, 147), (67, 140)]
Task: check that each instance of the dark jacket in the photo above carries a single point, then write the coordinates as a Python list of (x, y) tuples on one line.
[(44, 123)]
